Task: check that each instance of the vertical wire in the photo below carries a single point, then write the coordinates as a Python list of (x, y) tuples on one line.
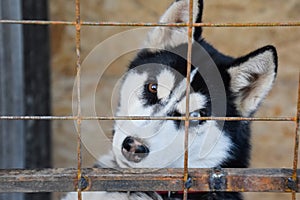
[(78, 73), (296, 146), (187, 113)]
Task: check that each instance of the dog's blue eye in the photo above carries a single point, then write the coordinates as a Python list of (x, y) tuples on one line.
[(152, 87), (198, 113), (195, 114)]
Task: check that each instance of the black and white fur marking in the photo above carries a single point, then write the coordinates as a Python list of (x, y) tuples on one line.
[(155, 85)]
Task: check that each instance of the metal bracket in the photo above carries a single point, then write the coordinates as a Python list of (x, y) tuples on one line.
[(189, 183), (217, 179), (83, 183), (291, 184)]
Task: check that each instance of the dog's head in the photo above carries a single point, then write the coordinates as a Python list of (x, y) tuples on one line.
[(155, 85)]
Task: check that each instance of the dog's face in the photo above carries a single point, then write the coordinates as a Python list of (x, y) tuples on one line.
[(155, 85), (154, 89)]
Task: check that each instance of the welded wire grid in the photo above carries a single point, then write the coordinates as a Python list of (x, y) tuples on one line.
[(291, 183)]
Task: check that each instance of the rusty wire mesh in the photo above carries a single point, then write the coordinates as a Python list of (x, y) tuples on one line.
[(55, 180)]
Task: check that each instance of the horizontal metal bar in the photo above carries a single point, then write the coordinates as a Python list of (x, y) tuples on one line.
[(136, 24), (37, 22), (292, 119), (38, 117), (248, 24), (64, 179)]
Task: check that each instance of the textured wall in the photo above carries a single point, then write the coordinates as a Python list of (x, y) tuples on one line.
[(272, 141)]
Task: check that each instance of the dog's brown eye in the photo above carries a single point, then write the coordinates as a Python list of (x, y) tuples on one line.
[(152, 87)]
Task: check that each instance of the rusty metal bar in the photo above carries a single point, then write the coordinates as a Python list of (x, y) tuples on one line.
[(207, 24), (296, 146), (78, 78), (287, 119), (38, 118), (65, 180), (187, 103), (137, 24), (36, 22), (249, 24)]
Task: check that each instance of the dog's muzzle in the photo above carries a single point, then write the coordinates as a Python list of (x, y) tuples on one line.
[(133, 150)]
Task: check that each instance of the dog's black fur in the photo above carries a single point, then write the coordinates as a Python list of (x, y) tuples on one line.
[(238, 131)]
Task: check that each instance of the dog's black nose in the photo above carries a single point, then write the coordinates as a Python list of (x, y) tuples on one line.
[(127, 143), (142, 149), (134, 150)]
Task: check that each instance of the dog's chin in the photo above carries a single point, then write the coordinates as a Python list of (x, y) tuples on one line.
[(123, 163)]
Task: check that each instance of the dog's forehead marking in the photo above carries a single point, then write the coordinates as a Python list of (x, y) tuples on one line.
[(181, 87), (178, 93), (166, 81), (197, 101)]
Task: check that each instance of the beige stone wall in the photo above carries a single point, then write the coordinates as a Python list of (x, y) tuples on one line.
[(272, 141)]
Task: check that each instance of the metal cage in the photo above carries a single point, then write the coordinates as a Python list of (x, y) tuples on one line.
[(93, 179)]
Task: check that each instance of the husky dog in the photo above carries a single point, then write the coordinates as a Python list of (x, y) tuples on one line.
[(155, 85)]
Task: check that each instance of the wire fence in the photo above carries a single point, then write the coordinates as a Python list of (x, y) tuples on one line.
[(95, 179)]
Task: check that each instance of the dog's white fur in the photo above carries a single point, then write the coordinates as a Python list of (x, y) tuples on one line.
[(208, 144), (110, 196)]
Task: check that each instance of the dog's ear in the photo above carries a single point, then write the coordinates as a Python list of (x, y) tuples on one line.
[(252, 77), (178, 12)]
